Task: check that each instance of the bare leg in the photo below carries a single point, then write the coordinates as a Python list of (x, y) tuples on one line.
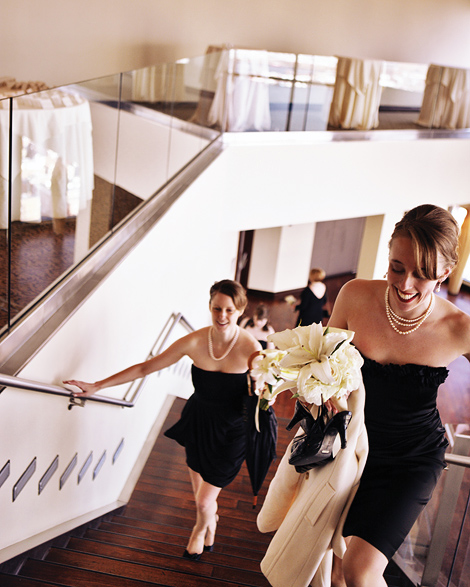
[(363, 565), (206, 509)]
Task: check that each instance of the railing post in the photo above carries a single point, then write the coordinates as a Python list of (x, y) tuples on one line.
[(445, 514)]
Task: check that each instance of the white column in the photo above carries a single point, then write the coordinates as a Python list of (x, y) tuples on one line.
[(456, 277), (373, 257), (280, 258)]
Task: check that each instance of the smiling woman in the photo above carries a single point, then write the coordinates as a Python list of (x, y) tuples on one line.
[(407, 337), (211, 428)]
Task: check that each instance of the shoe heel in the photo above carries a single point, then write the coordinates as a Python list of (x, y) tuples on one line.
[(341, 423), (300, 414)]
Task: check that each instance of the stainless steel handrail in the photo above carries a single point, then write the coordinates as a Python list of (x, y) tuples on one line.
[(461, 460), (77, 400), (29, 385)]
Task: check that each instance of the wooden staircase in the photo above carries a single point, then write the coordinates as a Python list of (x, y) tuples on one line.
[(141, 545)]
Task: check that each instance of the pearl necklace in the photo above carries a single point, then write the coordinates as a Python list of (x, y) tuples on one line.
[(414, 323), (230, 346)]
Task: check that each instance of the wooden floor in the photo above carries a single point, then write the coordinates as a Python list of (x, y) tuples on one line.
[(142, 544)]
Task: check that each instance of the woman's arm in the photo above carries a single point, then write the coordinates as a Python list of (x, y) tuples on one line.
[(168, 357)]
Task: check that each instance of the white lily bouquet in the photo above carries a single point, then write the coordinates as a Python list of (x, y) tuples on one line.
[(315, 363)]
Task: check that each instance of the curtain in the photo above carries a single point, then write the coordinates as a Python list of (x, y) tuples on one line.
[(241, 100), (357, 93), (446, 100)]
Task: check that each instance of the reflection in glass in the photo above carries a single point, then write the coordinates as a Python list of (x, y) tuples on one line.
[(4, 210), (85, 156), (110, 203), (51, 189)]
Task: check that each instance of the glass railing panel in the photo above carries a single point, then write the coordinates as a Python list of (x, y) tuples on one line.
[(436, 550), (459, 574), (51, 189), (282, 68), (310, 107), (412, 555), (194, 90), (403, 87), (144, 132), (4, 210), (307, 105), (103, 210)]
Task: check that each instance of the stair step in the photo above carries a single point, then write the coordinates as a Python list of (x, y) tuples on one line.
[(17, 581), (69, 576), (144, 566), (242, 528), (166, 548), (259, 543), (174, 535)]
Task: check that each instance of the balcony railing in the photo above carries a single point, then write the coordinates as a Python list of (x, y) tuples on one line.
[(78, 161)]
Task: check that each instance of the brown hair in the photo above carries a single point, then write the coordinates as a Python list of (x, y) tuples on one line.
[(433, 232), (232, 289)]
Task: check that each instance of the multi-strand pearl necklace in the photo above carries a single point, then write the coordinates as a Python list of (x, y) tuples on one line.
[(230, 346), (413, 323)]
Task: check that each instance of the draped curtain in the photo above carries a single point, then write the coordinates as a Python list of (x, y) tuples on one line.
[(241, 100), (446, 100), (357, 93)]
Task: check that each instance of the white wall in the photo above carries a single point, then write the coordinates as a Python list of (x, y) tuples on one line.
[(60, 42), (296, 178)]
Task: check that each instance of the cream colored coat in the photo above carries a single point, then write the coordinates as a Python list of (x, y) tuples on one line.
[(308, 510)]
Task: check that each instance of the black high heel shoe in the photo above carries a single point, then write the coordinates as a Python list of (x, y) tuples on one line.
[(302, 415), (192, 557), (315, 447)]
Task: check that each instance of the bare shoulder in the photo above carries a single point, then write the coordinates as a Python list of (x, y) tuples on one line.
[(193, 340), (353, 298), (359, 286), (356, 290)]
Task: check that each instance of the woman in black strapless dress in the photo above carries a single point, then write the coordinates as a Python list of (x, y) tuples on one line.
[(407, 336), (211, 427)]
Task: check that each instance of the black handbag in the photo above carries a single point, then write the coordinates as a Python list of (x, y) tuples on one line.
[(314, 448)]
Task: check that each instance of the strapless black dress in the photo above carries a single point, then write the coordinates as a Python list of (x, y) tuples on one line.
[(406, 452), (212, 427)]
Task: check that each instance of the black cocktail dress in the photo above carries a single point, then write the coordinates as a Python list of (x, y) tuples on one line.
[(310, 308), (212, 427), (406, 452)]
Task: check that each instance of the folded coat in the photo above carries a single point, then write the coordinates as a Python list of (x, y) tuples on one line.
[(308, 510)]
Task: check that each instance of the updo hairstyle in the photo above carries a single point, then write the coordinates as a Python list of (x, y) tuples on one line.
[(232, 289), (433, 232)]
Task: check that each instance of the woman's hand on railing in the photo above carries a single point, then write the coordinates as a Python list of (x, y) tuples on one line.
[(86, 389)]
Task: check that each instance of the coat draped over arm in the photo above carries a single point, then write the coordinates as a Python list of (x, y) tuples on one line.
[(307, 510)]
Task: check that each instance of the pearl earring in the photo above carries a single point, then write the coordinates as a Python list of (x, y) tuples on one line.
[(386, 275), (438, 288)]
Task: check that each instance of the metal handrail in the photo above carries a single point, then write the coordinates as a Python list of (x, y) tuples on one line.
[(455, 459), (76, 400)]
